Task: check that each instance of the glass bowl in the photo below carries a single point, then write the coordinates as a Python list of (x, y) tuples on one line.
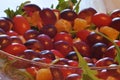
[(14, 68), (10, 69)]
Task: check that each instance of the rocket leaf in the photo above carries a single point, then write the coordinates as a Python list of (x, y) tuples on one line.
[(88, 74)]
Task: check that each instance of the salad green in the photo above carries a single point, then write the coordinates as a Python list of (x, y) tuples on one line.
[(87, 72)]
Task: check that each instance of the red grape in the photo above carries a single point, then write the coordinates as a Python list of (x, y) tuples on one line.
[(46, 41), (73, 76), (16, 39), (47, 54), (115, 13), (87, 13), (68, 14), (2, 31), (93, 38), (72, 56), (34, 44), (31, 34), (48, 16), (5, 40), (98, 50), (31, 8), (106, 61), (49, 30), (63, 46), (4, 24), (115, 23), (29, 54), (83, 48)]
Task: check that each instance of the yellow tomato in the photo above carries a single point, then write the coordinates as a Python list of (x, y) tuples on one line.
[(44, 74), (80, 24), (63, 25)]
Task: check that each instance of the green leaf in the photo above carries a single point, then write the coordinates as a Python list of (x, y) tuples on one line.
[(61, 1), (11, 13), (19, 8), (74, 1), (52, 6), (88, 74), (91, 27), (68, 4), (77, 7), (63, 5), (86, 77)]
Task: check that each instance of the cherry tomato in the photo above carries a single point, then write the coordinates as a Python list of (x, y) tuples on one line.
[(66, 71), (73, 63), (82, 34), (44, 74), (64, 36), (32, 70), (21, 25), (15, 49), (57, 53), (101, 19), (46, 60)]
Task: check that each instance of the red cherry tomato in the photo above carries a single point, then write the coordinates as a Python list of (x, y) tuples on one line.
[(32, 70), (66, 71), (46, 60), (73, 63), (101, 19), (64, 36), (57, 53), (15, 49), (21, 25), (82, 34)]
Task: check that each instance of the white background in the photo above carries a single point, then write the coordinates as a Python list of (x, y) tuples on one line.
[(99, 5), (12, 4)]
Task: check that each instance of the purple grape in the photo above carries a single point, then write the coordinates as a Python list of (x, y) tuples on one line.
[(46, 41), (31, 34), (34, 44), (49, 30)]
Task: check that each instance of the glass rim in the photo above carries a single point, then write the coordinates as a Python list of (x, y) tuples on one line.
[(45, 65)]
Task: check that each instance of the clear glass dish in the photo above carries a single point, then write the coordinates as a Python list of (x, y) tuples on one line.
[(9, 72), (11, 69)]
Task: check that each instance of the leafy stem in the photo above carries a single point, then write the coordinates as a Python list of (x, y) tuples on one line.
[(76, 8), (68, 4), (87, 74)]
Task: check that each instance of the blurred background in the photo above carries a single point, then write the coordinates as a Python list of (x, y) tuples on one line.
[(99, 5)]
